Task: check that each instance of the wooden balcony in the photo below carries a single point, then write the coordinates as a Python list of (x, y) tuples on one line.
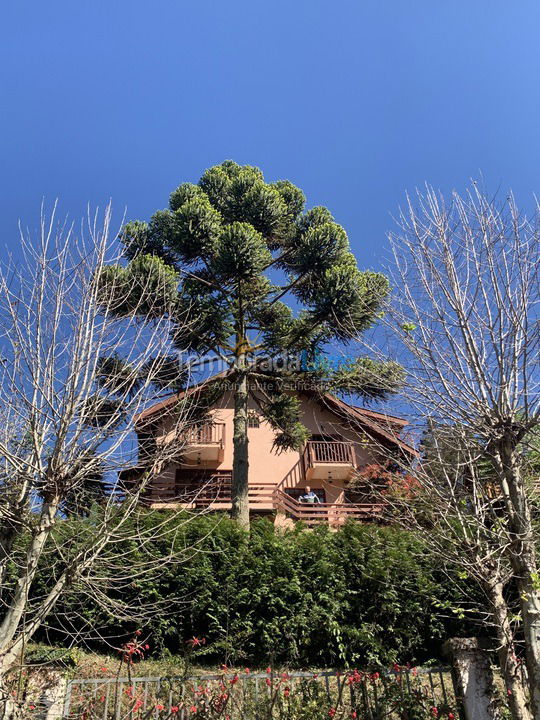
[(207, 489), (211, 490), (333, 514), (204, 443), (328, 460)]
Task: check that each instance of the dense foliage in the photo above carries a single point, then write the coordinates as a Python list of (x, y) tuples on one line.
[(363, 595)]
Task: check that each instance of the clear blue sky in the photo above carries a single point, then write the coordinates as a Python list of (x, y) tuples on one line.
[(354, 100)]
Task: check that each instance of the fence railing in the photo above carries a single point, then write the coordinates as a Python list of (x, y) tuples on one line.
[(265, 696)]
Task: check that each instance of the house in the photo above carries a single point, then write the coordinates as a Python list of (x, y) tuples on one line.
[(344, 439)]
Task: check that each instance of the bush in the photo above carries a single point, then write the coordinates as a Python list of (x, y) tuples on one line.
[(365, 595)]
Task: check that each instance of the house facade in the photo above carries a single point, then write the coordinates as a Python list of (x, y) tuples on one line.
[(344, 440)]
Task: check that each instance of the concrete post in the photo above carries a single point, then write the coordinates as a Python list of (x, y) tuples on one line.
[(52, 697), (472, 677)]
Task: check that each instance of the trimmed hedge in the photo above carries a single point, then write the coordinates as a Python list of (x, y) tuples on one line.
[(363, 595)]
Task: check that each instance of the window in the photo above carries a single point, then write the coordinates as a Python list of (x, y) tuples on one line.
[(253, 419)]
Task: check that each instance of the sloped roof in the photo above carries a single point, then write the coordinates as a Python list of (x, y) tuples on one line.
[(382, 425)]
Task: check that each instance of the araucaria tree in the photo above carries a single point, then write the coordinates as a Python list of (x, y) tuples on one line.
[(241, 247), (466, 307), (66, 407)]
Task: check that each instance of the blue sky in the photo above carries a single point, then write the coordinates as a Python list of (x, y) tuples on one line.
[(354, 100)]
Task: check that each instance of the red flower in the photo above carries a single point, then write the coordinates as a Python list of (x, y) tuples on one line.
[(159, 706), (287, 691), (451, 716), (268, 682), (196, 642), (247, 671), (147, 647), (268, 670), (174, 709), (234, 680), (193, 709), (434, 711), (354, 715), (138, 632), (332, 712)]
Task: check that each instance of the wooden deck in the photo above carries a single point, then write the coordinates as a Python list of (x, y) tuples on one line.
[(215, 494)]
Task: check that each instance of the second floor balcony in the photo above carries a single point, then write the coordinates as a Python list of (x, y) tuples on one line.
[(204, 443), (328, 460)]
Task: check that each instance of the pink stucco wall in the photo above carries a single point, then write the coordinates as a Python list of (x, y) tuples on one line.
[(266, 466)]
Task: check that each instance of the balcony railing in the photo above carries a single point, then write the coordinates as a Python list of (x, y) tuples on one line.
[(328, 458), (329, 451), (333, 514), (208, 434)]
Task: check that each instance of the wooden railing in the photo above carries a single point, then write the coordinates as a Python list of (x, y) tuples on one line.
[(210, 433), (328, 451), (216, 491), (327, 513)]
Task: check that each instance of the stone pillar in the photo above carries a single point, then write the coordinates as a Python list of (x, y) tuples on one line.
[(472, 677), (53, 696)]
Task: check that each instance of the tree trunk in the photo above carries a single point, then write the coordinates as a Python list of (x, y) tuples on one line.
[(523, 559), (508, 662), (240, 475)]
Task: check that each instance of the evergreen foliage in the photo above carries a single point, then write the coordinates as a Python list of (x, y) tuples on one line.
[(211, 261), (365, 595)]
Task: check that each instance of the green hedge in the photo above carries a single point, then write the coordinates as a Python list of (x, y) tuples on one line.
[(363, 595)]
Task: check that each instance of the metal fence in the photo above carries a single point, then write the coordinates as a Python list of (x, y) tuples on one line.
[(400, 693)]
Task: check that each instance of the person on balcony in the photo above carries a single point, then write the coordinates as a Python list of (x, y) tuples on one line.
[(309, 496)]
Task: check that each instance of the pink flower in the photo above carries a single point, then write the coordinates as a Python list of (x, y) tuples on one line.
[(332, 712)]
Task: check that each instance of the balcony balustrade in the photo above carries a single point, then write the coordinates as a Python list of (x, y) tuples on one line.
[(328, 460)]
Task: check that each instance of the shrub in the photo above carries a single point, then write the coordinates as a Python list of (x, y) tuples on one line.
[(364, 595)]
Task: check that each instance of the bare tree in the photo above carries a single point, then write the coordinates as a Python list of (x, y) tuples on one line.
[(67, 404), (465, 309)]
